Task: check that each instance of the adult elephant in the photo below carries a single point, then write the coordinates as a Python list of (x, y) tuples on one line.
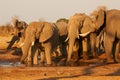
[(60, 53), (109, 21), (18, 32), (78, 24), (46, 33), (61, 49)]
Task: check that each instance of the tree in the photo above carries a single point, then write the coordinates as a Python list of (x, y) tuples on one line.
[(62, 19)]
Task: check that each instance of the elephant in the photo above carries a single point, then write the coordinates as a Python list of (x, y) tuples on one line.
[(47, 35), (18, 32), (78, 24), (108, 20), (61, 50), (63, 32)]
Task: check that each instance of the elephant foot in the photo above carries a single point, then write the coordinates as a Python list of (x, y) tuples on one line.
[(51, 65), (109, 61), (85, 56), (22, 62), (61, 63), (42, 64), (116, 60), (29, 64), (94, 57), (35, 65), (71, 63)]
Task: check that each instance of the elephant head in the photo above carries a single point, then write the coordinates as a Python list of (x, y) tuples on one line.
[(19, 27), (36, 30), (100, 18), (74, 25), (95, 23), (18, 32)]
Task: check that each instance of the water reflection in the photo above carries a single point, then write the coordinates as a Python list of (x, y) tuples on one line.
[(10, 64)]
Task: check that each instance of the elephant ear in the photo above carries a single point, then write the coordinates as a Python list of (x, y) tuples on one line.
[(100, 19), (47, 32)]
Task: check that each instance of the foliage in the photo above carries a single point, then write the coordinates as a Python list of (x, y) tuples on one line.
[(62, 19)]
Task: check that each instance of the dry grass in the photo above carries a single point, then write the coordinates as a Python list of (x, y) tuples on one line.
[(6, 30)]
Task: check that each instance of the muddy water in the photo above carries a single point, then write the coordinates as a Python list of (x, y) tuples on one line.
[(10, 64), (18, 64)]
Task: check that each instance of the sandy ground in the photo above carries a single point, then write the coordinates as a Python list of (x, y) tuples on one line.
[(92, 71)]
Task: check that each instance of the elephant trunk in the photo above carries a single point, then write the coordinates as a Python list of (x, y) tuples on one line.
[(70, 49), (25, 49)]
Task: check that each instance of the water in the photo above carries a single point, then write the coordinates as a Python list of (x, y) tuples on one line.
[(10, 64)]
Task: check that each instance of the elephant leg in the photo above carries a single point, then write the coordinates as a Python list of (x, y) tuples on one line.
[(85, 49), (35, 52), (108, 47), (75, 56), (48, 53), (93, 44), (35, 57), (29, 57), (42, 57), (116, 58), (70, 49)]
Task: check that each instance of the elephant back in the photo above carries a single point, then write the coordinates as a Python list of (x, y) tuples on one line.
[(62, 27)]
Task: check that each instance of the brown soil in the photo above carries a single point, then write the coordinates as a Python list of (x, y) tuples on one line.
[(93, 69)]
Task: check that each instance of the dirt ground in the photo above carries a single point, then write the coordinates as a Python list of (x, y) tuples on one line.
[(93, 69)]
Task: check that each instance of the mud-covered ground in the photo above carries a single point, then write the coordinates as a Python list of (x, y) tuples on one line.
[(93, 69)]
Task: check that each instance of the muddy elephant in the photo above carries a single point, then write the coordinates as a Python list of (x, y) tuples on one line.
[(47, 35), (18, 32), (108, 20)]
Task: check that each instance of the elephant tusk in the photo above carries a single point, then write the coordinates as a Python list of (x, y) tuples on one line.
[(85, 34), (33, 43), (78, 37), (66, 39), (21, 44)]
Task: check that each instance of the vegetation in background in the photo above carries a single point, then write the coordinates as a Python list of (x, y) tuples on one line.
[(62, 19)]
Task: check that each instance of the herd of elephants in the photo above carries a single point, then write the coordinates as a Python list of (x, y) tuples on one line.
[(73, 40)]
